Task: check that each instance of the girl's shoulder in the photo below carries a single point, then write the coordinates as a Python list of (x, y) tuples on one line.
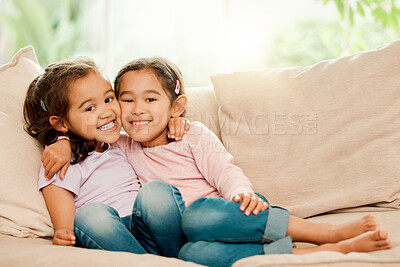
[(125, 142)]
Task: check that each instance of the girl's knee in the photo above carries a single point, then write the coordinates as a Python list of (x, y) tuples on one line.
[(97, 224), (206, 215), (150, 191), (190, 251), (158, 197), (94, 215), (155, 188), (210, 211), (94, 209)]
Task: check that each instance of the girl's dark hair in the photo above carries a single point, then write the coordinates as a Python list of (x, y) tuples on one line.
[(47, 96), (166, 72)]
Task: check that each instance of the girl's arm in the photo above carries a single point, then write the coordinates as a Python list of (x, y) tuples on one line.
[(61, 206)]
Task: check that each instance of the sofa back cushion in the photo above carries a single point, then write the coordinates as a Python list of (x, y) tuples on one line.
[(319, 138), (202, 106), (23, 212)]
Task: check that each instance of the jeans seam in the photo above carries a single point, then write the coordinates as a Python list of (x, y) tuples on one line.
[(131, 225), (176, 201), (137, 216), (133, 218)]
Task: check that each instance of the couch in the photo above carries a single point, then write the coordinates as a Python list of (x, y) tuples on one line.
[(322, 141)]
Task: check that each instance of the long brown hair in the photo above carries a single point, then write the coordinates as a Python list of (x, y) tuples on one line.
[(167, 73), (47, 96)]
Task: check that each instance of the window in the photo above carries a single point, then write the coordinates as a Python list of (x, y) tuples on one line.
[(201, 37)]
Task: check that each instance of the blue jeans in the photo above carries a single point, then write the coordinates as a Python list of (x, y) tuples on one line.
[(220, 234), (154, 226)]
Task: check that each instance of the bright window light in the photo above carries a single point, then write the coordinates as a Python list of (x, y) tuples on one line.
[(201, 37)]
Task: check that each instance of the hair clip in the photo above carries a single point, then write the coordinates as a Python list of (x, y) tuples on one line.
[(38, 79), (43, 105), (177, 87)]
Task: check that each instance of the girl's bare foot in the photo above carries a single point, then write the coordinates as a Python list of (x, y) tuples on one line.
[(320, 233), (366, 242), (355, 228)]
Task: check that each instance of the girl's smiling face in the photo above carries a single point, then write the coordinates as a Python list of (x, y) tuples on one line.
[(145, 107), (94, 112)]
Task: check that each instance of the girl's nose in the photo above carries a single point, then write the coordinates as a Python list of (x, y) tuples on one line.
[(107, 112), (137, 109)]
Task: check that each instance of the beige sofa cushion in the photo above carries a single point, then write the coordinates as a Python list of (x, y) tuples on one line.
[(23, 211), (37, 252), (202, 106), (318, 138)]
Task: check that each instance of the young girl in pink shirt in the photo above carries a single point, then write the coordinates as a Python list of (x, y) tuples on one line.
[(200, 174)]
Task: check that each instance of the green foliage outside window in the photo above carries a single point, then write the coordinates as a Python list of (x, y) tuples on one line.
[(385, 12), (52, 26), (364, 24)]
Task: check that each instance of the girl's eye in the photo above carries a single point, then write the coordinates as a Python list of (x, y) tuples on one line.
[(90, 108), (127, 100), (150, 99), (108, 100)]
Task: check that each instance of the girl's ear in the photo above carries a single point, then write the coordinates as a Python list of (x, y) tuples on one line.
[(179, 106), (58, 124)]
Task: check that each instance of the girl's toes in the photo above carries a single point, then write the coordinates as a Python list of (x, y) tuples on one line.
[(372, 225), (382, 243), (378, 235), (382, 234), (370, 221), (369, 218)]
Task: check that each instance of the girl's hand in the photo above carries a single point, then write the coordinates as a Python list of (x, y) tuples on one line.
[(64, 237), (178, 127), (250, 203), (55, 157)]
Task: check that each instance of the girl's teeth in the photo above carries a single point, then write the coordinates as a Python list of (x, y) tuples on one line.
[(107, 126), (140, 122)]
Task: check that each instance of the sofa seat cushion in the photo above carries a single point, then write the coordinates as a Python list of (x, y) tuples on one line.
[(39, 252)]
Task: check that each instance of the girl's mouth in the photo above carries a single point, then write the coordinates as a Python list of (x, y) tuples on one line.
[(139, 124), (109, 127)]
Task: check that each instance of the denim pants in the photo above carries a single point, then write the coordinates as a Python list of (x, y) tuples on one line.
[(220, 234), (154, 226)]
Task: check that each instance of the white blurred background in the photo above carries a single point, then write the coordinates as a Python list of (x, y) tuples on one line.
[(201, 37)]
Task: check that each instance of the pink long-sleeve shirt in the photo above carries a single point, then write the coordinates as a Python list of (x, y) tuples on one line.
[(198, 165)]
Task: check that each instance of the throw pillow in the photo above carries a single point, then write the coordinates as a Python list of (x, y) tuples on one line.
[(23, 212)]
